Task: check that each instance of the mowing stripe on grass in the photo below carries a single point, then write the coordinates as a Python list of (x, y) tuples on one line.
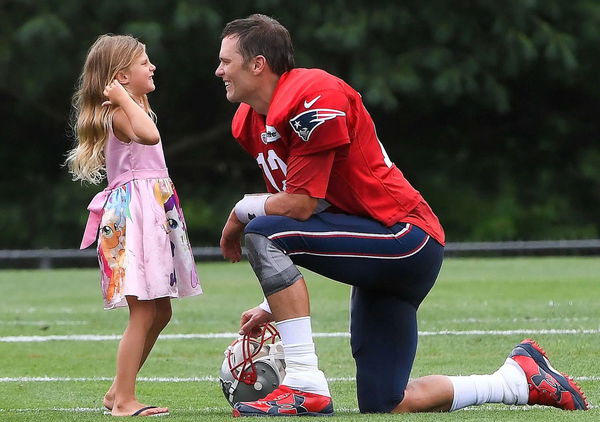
[(176, 321), (112, 337)]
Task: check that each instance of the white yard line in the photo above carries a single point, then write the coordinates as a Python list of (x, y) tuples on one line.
[(523, 331), (94, 379), (206, 378), (55, 409), (49, 323), (114, 337), (101, 410)]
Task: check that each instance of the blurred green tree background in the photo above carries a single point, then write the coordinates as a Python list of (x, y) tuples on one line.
[(489, 107)]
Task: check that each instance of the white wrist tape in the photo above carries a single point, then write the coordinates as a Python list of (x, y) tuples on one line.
[(251, 206), (265, 306)]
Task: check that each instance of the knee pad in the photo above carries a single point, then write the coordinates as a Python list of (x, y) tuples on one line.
[(274, 269)]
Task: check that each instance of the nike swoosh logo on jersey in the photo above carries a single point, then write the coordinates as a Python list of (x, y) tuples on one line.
[(308, 104)]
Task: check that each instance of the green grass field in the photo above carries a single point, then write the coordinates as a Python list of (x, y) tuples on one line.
[(479, 309)]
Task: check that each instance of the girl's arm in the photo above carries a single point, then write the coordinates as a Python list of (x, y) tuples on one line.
[(130, 121)]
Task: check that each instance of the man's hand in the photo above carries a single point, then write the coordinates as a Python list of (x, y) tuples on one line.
[(251, 319), (231, 239)]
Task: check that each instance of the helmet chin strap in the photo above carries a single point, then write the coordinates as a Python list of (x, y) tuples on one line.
[(275, 355), (232, 387)]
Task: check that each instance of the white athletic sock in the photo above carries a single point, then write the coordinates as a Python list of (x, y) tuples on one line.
[(516, 389), (295, 330), (301, 362), (507, 385)]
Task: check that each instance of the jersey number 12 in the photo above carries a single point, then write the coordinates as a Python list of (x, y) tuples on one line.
[(272, 162)]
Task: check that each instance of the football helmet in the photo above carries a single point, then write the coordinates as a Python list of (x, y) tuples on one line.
[(253, 366)]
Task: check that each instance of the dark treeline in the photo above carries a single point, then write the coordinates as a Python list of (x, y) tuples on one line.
[(489, 107)]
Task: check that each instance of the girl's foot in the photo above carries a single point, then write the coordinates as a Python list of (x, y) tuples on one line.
[(109, 400), (145, 411), (135, 408)]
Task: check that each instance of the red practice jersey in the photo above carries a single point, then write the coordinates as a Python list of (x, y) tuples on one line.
[(318, 139)]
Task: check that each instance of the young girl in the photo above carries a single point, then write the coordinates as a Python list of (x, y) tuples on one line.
[(143, 250)]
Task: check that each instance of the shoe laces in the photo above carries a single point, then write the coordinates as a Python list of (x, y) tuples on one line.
[(277, 394)]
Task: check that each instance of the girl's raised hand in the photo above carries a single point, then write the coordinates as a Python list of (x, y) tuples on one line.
[(115, 93)]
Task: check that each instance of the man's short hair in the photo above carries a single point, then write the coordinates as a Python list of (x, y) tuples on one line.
[(262, 35)]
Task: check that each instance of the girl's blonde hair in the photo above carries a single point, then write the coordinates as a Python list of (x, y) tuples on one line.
[(90, 121)]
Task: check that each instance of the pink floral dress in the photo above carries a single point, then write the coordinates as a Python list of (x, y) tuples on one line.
[(143, 247)]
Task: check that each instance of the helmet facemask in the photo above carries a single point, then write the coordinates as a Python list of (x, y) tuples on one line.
[(253, 366)]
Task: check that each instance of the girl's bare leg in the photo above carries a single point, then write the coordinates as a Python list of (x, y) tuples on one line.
[(162, 318), (134, 347)]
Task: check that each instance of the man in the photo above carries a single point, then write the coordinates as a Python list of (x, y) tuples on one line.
[(338, 206)]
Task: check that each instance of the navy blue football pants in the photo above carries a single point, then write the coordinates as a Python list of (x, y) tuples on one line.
[(391, 270)]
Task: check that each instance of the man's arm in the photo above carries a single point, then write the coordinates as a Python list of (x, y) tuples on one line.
[(294, 205)]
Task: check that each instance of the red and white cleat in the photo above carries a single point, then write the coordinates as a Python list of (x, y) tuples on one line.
[(285, 401), (547, 386)]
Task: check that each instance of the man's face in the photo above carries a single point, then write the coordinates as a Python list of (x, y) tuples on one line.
[(237, 76)]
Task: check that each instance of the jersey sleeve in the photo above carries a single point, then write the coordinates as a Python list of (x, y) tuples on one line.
[(319, 122), (309, 174)]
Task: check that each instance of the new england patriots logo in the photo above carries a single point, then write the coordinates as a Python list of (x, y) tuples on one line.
[(305, 123)]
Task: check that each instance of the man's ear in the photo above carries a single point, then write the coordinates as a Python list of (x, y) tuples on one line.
[(259, 64), (122, 77)]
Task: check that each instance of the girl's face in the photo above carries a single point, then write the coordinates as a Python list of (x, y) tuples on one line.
[(139, 76)]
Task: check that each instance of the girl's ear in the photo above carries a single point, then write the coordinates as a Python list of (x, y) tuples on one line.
[(122, 77)]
